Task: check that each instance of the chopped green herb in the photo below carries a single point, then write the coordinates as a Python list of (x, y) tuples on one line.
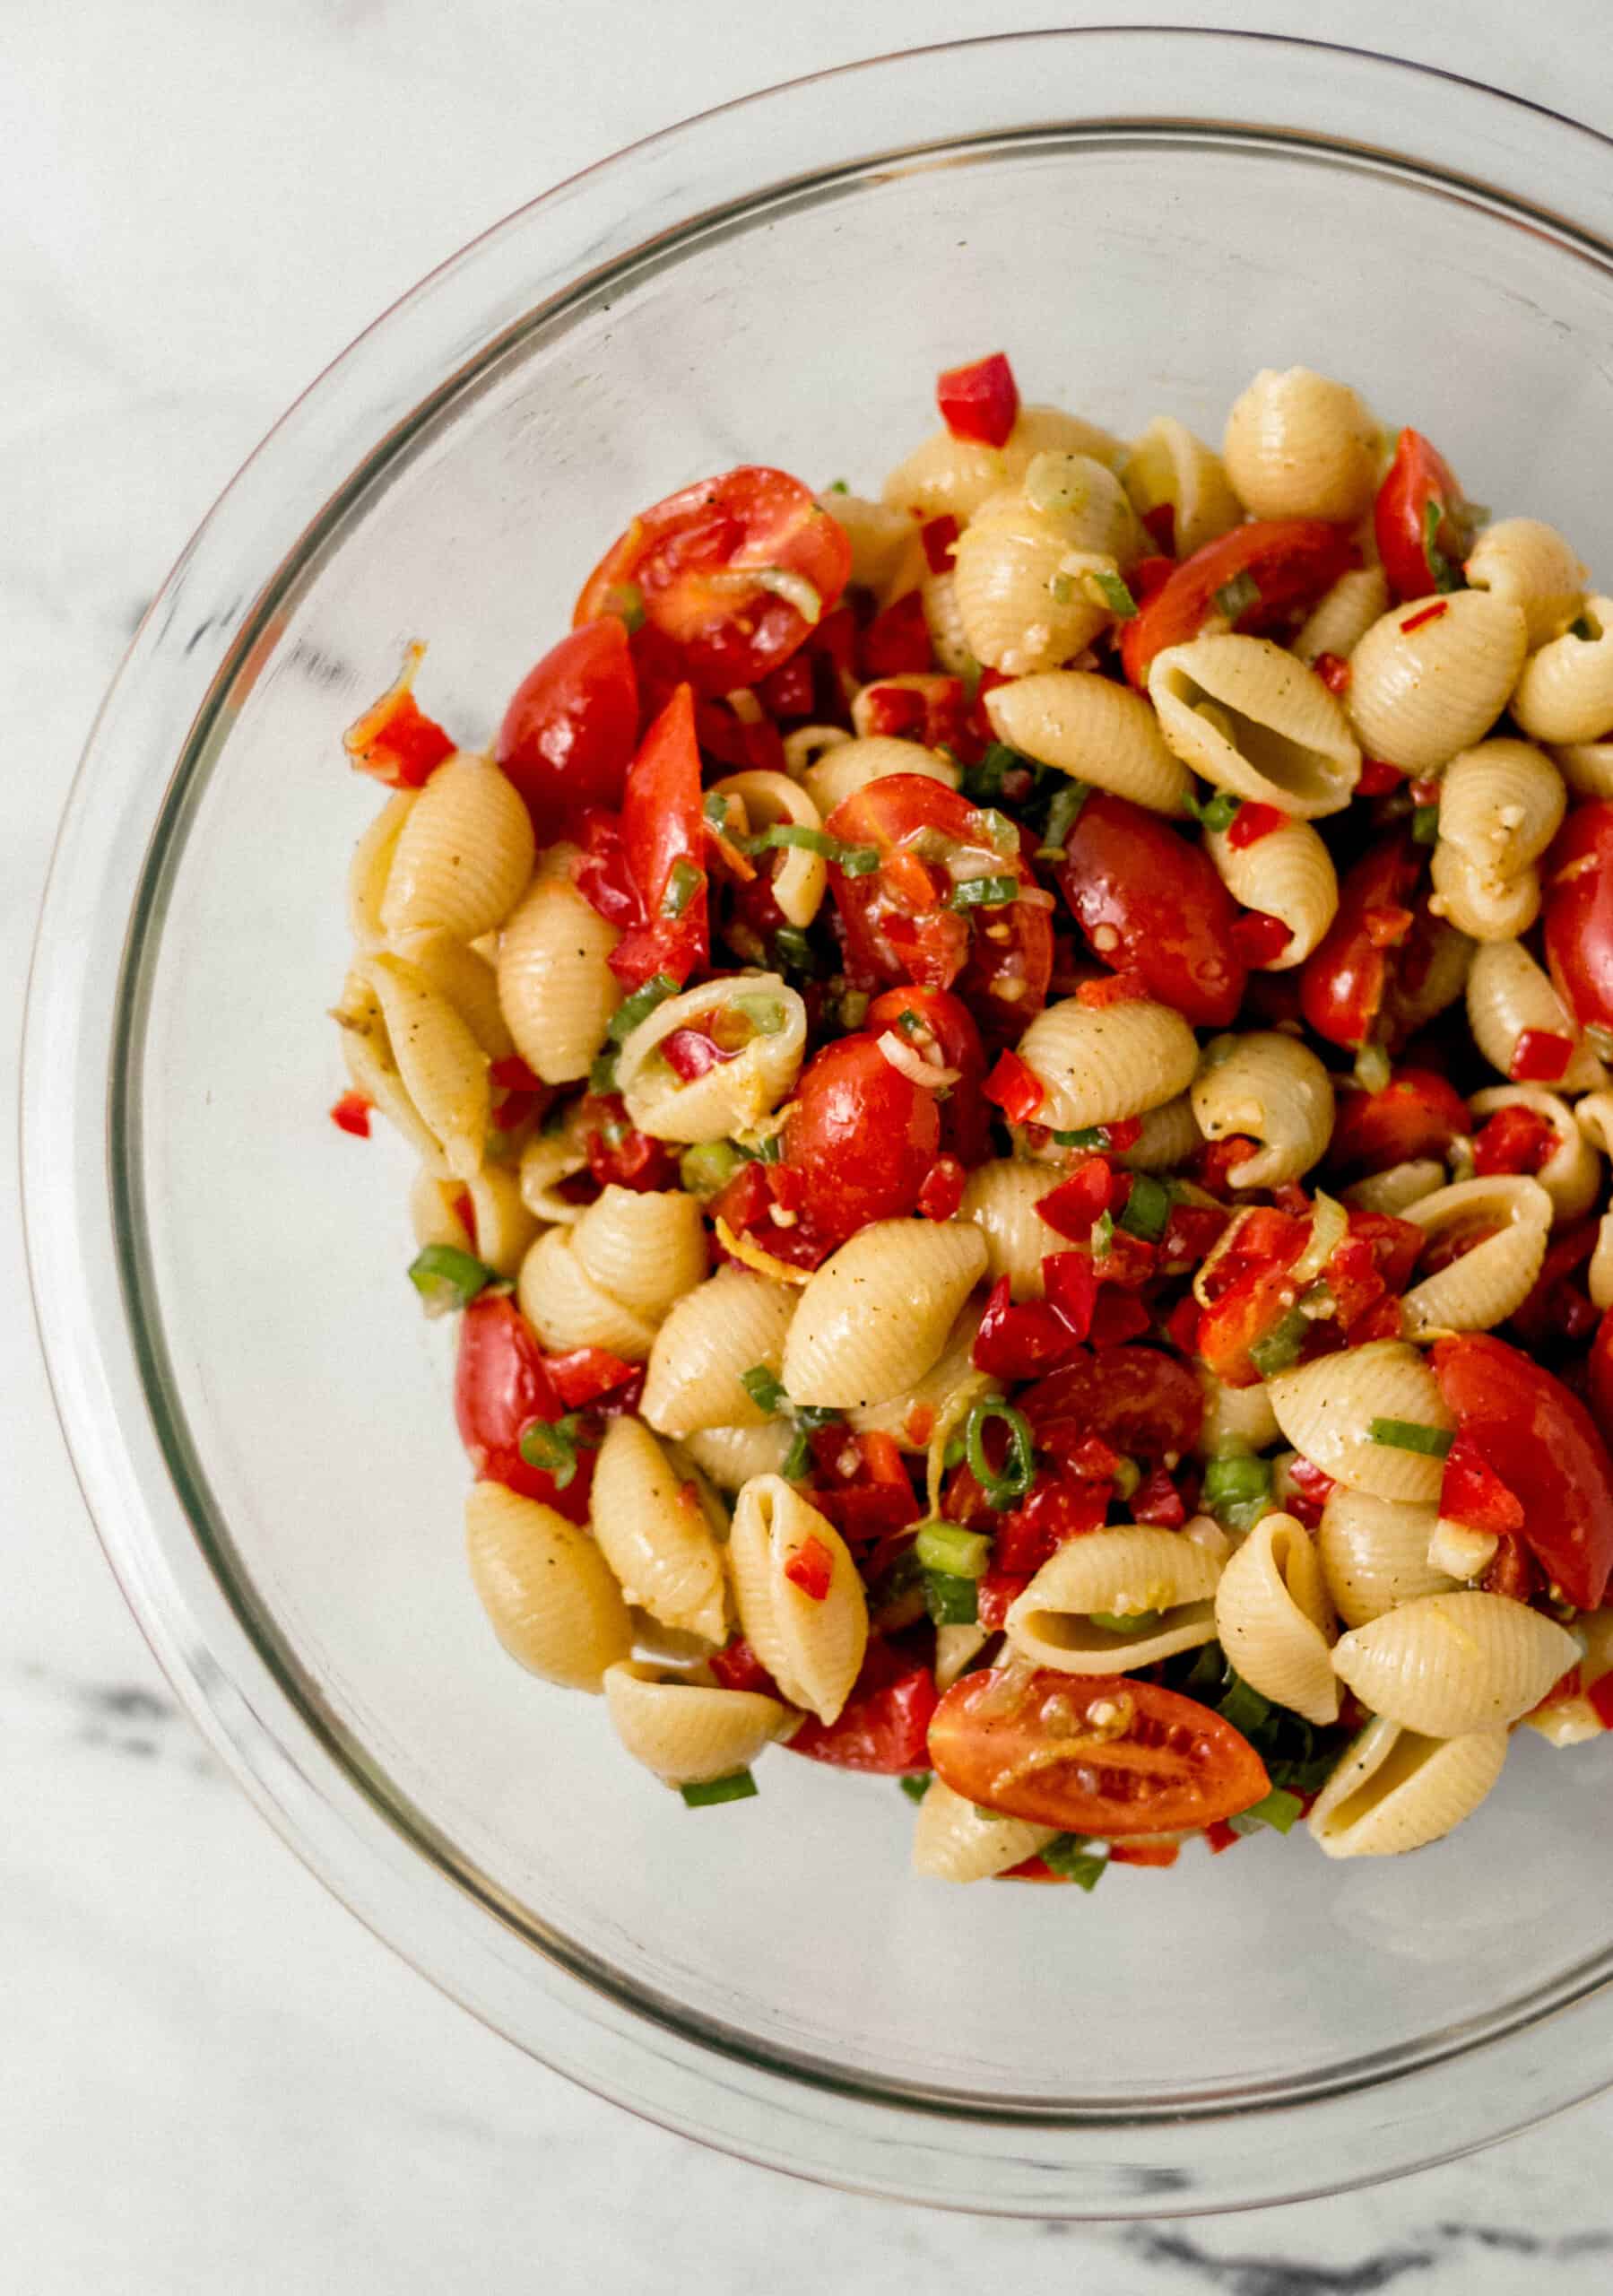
[(553, 1446), (909, 1024), (1062, 817), (798, 1458), (1148, 1208), (1062, 590), (1110, 590), (983, 892), (1278, 1809), (1128, 1474), (1235, 598), (639, 1006), (1444, 574), (1090, 1136), (816, 1415), (707, 1169), (1004, 1484), (948, 1548), (684, 882), (837, 486), (983, 781), (1411, 1435), (951, 1601), (447, 1278), (764, 1388), (1244, 1708), (952, 1455), (715, 808), (1126, 1622), (739, 1786), (792, 952), (916, 1784), (1279, 1349), (1077, 1857), (1424, 824), (1214, 812), (1237, 1492)]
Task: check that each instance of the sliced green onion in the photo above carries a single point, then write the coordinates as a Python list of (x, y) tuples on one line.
[(1424, 824), (1090, 1136), (553, 1446), (447, 1278), (684, 882), (916, 1784), (1148, 1208), (983, 892), (639, 1006), (715, 809), (983, 781), (796, 833), (1128, 1474), (1126, 1622), (1214, 812), (1279, 1809), (1077, 1859), (1001, 1485), (1103, 1234), (769, 1148), (764, 1388), (951, 1601), (1110, 590), (1062, 817), (859, 860), (602, 1073), (998, 831), (765, 1014), (798, 1458), (1243, 1708), (815, 1415), (707, 1169), (1237, 1492), (625, 600), (792, 952), (739, 1786), (1237, 596), (1411, 1435), (1439, 565), (909, 1024), (1281, 1347), (948, 1548), (952, 1454)]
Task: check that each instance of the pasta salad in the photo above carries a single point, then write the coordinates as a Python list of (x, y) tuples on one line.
[(1011, 1092)]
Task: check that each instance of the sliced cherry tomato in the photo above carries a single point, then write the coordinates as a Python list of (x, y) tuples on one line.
[(1417, 1113), (1418, 492), (664, 831), (921, 1016), (395, 741), (1557, 1308), (1140, 1402), (584, 1374), (1345, 980), (1150, 903), (571, 726), (1253, 1292), (1544, 1447), (501, 1386), (1516, 1140), (686, 557), (897, 925), (620, 1156), (1151, 1760), (1578, 913), (884, 1724), (1472, 1493), (1290, 561), (861, 1136), (980, 401)]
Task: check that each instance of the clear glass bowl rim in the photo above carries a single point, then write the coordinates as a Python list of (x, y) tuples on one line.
[(123, 825)]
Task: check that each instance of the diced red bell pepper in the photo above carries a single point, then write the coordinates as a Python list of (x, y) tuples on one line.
[(1221, 1834), (1252, 822), (938, 536), (1072, 1209), (1192, 1232), (899, 639), (1144, 1853), (884, 1726), (1126, 1261), (1541, 1057), (980, 401), (811, 1568), (940, 1192), (582, 1374), (737, 1667), (1333, 670), (620, 1154), (1156, 1499), (1059, 1507), (1311, 1491), (1516, 1140), (1259, 937), (995, 1595), (1514, 1572), (1128, 987), (1472, 1493), (1015, 1088), (351, 1114), (1377, 776), (395, 741), (1118, 1317), (1071, 1283), (1020, 1341), (790, 690), (894, 712)]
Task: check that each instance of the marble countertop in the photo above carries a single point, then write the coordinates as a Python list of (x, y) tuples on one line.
[(216, 2080)]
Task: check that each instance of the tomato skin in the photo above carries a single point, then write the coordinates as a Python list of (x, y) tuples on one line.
[(1417, 477), (1578, 913), (1343, 982), (500, 1384), (996, 1741), (1417, 1113), (1545, 1447), (860, 1136), (979, 401), (1142, 1402), (1293, 559), (883, 1726), (965, 1120), (662, 825), (751, 519), (571, 724), (1150, 902)]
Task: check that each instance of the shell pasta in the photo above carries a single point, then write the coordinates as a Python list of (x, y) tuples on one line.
[(1004, 1082)]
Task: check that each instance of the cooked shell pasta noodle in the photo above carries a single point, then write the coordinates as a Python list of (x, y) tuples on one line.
[(369, 868), (955, 1648), (1018, 583), (1326, 1410), (1248, 716), (1599, 1273), (730, 1456), (1569, 1720), (1571, 1173), (879, 1310), (944, 622), (1532, 566), (811, 1646), (882, 539), (432, 1217), (1090, 728), (1374, 1553), (1273, 1619), (646, 1247), (1289, 875), (1508, 993), (567, 1308), (1001, 1197), (1499, 807), (958, 475), (655, 1533), (463, 978), (1593, 1115), (1097, 1065), (464, 855), (1566, 693), (911, 1416), (1587, 766), (851, 765), (803, 745), (1446, 1663), (736, 1094), (1301, 446), (1394, 1791), (1170, 1134), (1512, 1218), (501, 1229), (555, 984), (801, 878), (1128, 1571), (1168, 465), (547, 1588), (1273, 1089), (715, 1335), (548, 1161), (1401, 1184), (443, 1069), (688, 1732), (1418, 695), (1341, 619), (372, 1070), (955, 1840), (1238, 1421)]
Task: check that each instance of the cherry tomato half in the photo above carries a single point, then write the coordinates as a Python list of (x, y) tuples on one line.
[(1417, 480), (1140, 1402), (685, 555), (965, 1117), (1417, 1113), (1543, 1446), (501, 1384), (883, 1723), (1345, 978), (861, 1135), (1290, 561), (571, 724), (1150, 903), (1578, 913), (1153, 1761), (664, 842)]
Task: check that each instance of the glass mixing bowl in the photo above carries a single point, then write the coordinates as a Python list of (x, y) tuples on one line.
[(261, 1420)]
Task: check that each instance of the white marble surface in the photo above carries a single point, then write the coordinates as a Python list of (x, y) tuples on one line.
[(214, 2080)]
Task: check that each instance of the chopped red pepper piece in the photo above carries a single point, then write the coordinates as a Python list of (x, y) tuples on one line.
[(737, 1667), (883, 1727), (894, 710), (1071, 1283), (1156, 1499), (1311, 1491), (512, 1074), (1515, 1140), (1118, 1317), (1601, 1696), (351, 1114), (1378, 776), (1113, 988), (1472, 1493), (1252, 822), (899, 639), (582, 1374), (1020, 1342), (811, 1568), (1541, 1057), (938, 536), (1072, 1208), (1388, 927), (395, 741), (1220, 1834), (1333, 670), (1425, 614), (1059, 1507), (994, 1596), (940, 1191), (1258, 938), (1144, 1853), (980, 401), (1017, 1090)]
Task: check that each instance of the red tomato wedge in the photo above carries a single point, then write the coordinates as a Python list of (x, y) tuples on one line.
[(898, 924), (979, 401), (1417, 1113), (1418, 482), (1290, 561), (1543, 1446), (501, 1386), (395, 741), (664, 837), (725, 569), (1345, 978), (1140, 1402), (1578, 914), (1150, 902), (922, 1016), (861, 1135), (570, 730), (1152, 1761)]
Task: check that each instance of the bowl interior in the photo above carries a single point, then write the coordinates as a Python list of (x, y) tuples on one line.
[(1129, 273)]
